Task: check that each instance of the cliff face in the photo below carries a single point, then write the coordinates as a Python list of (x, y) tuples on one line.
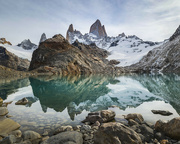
[(97, 29), (163, 59), (12, 61), (56, 55)]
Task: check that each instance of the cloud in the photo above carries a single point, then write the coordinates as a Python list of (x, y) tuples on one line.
[(149, 19)]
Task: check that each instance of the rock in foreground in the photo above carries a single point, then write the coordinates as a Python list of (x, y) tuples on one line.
[(116, 133), (65, 138), (101, 116), (7, 125), (171, 128)]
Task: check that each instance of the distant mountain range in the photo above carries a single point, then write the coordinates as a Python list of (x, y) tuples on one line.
[(126, 49), (80, 53)]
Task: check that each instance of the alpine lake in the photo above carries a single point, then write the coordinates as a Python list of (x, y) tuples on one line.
[(55, 101)]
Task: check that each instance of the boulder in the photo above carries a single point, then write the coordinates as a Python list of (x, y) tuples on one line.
[(135, 116), (8, 140), (69, 137), (101, 116), (170, 129), (31, 135), (63, 129), (23, 101), (116, 133), (7, 125), (16, 133), (162, 112), (3, 111)]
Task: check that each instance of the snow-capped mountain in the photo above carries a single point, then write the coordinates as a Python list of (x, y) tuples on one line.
[(27, 45), (164, 58), (126, 49)]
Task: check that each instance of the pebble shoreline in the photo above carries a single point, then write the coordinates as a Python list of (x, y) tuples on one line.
[(97, 128)]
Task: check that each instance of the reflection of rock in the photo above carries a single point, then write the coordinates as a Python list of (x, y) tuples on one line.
[(168, 87), (9, 87), (61, 92)]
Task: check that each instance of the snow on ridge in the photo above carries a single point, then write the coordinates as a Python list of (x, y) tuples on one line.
[(19, 51)]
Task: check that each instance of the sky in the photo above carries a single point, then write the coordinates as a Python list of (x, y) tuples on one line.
[(153, 20)]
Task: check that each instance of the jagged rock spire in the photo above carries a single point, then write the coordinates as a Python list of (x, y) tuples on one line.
[(97, 29), (177, 33), (43, 38), (70, 30)]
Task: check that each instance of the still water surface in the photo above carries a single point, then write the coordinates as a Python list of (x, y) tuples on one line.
[(56, 101)]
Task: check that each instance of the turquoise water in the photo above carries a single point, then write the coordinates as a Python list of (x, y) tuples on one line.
[(56, 101)]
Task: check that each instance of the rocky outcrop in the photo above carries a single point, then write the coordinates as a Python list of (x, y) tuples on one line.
[(10, 60), (97, 29), (164, 59), (69, 32), (116, 133), (27, 45), (56, 55), (3, 41), (43, 38), (176, 34), (171, 128)]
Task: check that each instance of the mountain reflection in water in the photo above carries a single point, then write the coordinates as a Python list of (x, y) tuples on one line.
[(98, 92)]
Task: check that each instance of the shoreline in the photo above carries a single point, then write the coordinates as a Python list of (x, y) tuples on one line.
[(94, 125)]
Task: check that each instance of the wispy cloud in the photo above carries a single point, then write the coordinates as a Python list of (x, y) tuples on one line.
[(152, 20)]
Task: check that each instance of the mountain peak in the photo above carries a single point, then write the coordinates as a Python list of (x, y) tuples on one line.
[(177, 33), (97, 29), (43, 38), (70, 30)]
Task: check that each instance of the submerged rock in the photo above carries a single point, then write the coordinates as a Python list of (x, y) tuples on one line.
[(3, 111), (170, 129), (116, 133), (7, 125), (70, 137), (101, 116), (135, 116), (23, 101), (161, 112), (31, 135)]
